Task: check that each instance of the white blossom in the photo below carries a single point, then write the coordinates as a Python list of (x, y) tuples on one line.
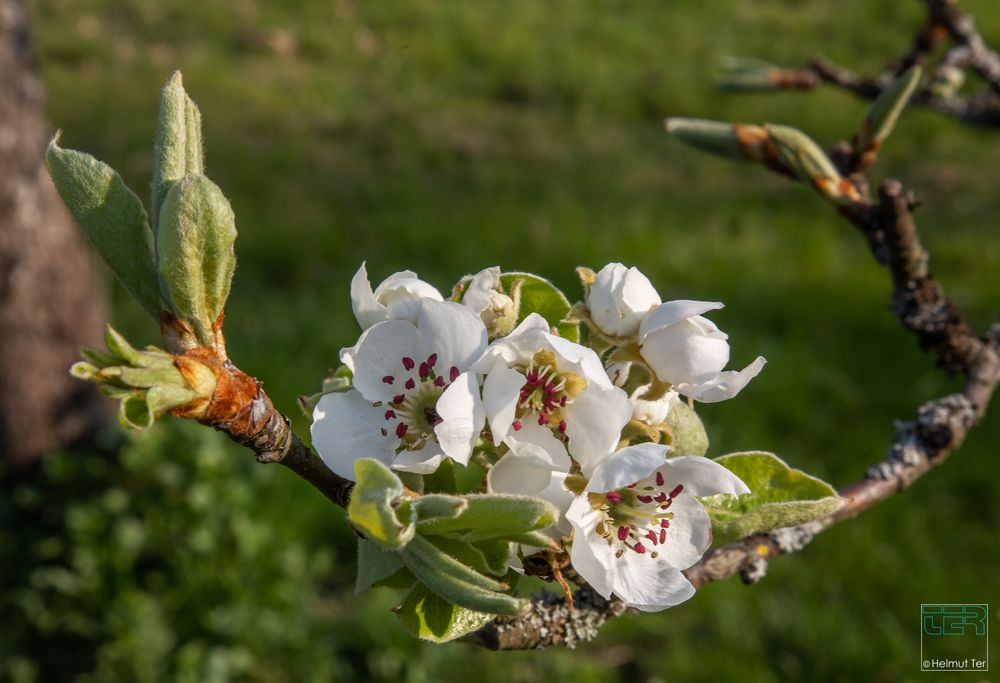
[(619, 299), (414, 401), (483, 296), (653, 412), (639, 524), (395, 297), (687, 350), (535, 376)]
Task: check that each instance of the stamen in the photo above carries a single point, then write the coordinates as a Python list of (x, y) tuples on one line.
[(388, 379), (677, 491), (390, 414), (639, 548), (542, 419), (408, 363), (665, 523), (562, 426), (663, 535), (398, 398), (613, 497), (439, 381), (453, 373), (410, 384), (401, 430), (659, 478), (516, 425), (622, 533), (651, 536), (645, 499), (425, 370)]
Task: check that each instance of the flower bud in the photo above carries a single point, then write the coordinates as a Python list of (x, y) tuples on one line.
[(484, 295), (654, 412), (619, 299), (396, 297)]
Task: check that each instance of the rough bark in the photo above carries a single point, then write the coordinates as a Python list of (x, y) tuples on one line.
[(48, 302)]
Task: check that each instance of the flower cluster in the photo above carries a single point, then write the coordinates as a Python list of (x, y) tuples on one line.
[(581, 425)]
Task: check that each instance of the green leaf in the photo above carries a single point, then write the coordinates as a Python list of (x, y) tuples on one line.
[(437, 506), (375, 564), (495, 516), (486, 557), (430, 617), (442, 480), (178, 146), (496, 552), (455, 582), (780, 496), (714, 137), (134, 413), (540, 296), (371, 508), (195, 241), (885, 110), (113, 219), (690, 437)]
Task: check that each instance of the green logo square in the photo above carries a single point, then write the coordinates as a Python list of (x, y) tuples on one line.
[(954, 637)]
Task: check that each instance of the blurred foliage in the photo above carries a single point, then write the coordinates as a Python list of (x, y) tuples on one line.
[(445, 137)]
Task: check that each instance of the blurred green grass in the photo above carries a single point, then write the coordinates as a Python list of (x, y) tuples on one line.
[(445, 137)]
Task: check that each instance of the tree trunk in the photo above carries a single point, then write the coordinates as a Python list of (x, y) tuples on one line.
[(49, 299)]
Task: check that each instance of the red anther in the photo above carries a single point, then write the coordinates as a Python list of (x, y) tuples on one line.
[(408, 363), (562, 402), (613, 497), (410, 383), (667, 504), (663, 535), (388, 379), (622, 533), (453, 374), (432, 359), (398, 398), (645, 499), (390, 414), (516, 424), (640, 548), (401, 430), (652, 537), (542, 419), (677, 491), (665, 523), (425, 370), (659, 478), (439, 381), (562, 426), (661, 497)]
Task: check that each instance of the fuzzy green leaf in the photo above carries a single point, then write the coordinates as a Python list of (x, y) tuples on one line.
[(195, 241), (113, 219), (371, 508), (690, 437), (540, 296), (430, 617), (780, 496), (437, 506), (714, 137), (495, 516), (375, 564), (885, 110), (178, 147)]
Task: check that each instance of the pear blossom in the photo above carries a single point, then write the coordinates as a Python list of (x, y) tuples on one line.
[(653, 412), (619, 299), (535, 376), (395, 297), (414, 400), (483, 296), (638, 524), (687, 350)]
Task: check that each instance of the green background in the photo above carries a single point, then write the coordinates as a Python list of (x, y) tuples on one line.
[(449, 136)]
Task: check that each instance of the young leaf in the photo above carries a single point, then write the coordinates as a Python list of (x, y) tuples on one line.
[(455, 582), (437, 506), (178, 148), (690, 437), (113, 219), (885, 110), (495, 516), (375, 564), (540, 296), (780, 496), (195, 241), (442, 480), (424, 552), (432, 618), (371, 510)]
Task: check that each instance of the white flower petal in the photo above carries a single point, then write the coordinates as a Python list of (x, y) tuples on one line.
[(518, 475), (517, 346), (453, 332), (619, 299), (584, 360), (462, 418), (673, 312), (557, 494), (424, 461), (627, 466), (594, 423), (683, 353), (724, 385), (501, 391), (702, 477), (690, 532), (366, 308), (378, 355), (591, 556), (649, 585), (345, 428), (477, 293), (538, 443)]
